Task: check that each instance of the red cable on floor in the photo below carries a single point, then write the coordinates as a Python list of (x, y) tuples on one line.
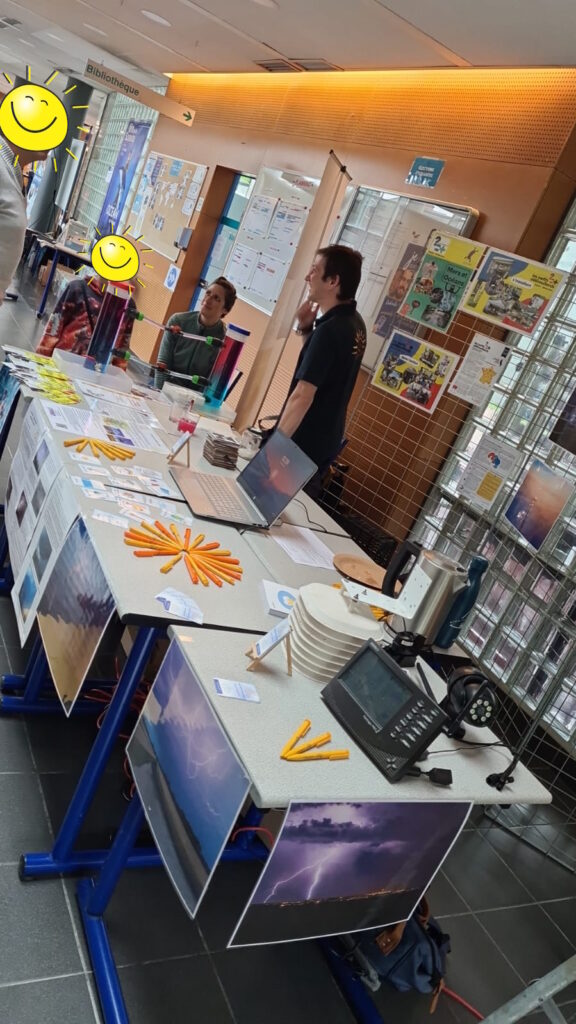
[(458, 999)]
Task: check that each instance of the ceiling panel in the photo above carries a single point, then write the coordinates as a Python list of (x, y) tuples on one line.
[(499, 32), (230, 35)]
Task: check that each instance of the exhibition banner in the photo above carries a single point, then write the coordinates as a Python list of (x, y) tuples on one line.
[(441, 280), (512, 292), (414, 370), (122, 175)]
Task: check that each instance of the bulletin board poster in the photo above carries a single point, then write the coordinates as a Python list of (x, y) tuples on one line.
[(512, 292), (268, 235), (396, 292), (122, 176), (414, 370), (165, 200), (441, 280)]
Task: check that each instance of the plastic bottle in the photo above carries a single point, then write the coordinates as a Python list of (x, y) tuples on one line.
[(225, 363), (462, 604)]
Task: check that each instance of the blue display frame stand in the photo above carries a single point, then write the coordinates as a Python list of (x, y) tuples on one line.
[(63, 859), (93, 896)]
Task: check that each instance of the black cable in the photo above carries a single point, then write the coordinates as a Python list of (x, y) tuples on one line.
[(311, 521), (468, 743)]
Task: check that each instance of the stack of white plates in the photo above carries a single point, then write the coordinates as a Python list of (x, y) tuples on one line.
[(325, 633)]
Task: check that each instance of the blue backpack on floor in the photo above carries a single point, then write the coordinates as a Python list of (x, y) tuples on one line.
[(410, 956)]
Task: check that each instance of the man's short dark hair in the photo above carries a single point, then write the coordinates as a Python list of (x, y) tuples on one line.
[(343, 262), (229, 292)]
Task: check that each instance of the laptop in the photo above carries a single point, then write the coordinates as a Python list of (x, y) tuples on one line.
[(258, 495)]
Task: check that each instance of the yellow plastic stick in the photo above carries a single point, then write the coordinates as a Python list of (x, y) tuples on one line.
[(300, 732), (319, 741)]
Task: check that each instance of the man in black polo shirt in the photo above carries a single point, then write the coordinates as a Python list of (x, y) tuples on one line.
[(314, 414)]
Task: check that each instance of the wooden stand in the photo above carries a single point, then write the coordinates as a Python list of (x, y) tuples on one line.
[(182, 442), (261, 649)]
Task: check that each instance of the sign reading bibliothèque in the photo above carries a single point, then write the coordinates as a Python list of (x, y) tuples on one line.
[(119, 83)]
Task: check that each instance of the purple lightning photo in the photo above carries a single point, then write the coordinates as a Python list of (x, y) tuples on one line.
[(348, 867)]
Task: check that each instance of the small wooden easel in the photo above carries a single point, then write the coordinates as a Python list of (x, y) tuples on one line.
[(182, 442), (262, 647)]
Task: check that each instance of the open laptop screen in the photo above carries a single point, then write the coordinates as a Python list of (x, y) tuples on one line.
[(275, 475)]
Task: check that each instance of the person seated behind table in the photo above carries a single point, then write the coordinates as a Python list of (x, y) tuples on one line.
[(72, 322), (183, 355)]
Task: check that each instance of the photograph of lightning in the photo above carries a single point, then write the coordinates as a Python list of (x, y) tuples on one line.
[(188, 777), (345, 867)]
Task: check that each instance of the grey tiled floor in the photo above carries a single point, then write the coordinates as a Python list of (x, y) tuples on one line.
[(511, 913)]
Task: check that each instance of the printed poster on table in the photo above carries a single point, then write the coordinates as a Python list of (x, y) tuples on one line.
[(122, 176), (492, 464), (538, 503), (347, 867), (9, 388), (58, 514), (189, 779), (441, 280), (479, 370), (511, 291), (73, 613), (564, 432), (414, 370), (397, 290)]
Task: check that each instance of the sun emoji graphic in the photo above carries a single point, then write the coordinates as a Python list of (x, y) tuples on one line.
[(115, 257), (34, 118)]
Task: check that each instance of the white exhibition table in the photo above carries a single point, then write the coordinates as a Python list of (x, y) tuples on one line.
[(258, 732)]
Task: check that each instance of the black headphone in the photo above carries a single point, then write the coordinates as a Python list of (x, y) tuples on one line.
[(470, 698)]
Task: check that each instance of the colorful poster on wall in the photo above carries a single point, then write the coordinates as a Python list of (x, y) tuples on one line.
[(122, 176), (564, 432), (441, 280), (479, 370), (538, 503), (492, 464), (512, 292), (347, 867), (166, 197), (414, 370), (397, 290)]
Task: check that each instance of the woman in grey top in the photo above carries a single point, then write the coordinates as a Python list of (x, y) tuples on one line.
[(183, 355)]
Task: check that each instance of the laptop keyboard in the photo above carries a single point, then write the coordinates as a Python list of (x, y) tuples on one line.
[(223, 496)]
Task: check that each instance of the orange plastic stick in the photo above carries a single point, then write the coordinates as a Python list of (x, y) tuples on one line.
[(213, 577), (170, 565), (187, 538), (159, 526), (191, 569)]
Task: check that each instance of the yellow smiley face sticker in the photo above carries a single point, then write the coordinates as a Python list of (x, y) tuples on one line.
[(34, 118), (115, 258)]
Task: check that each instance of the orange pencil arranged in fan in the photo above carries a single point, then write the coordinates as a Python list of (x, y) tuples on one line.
[(170, 565)]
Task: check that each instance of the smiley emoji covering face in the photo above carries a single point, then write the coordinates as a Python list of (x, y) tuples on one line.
[(33, 118), (115, 258)]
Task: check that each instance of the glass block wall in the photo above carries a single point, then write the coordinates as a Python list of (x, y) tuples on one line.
[(522, 632), (118, 112)]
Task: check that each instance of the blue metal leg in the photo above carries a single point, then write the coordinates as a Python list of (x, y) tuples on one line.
[(6, 577), (351, 986), (25, 689), (46, 292), (93, 896), (61, 859)]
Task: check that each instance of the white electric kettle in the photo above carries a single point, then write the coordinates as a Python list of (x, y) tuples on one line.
[(432, 582)]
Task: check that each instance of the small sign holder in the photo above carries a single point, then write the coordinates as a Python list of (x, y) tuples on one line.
[(182, 442), (262, 647)]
